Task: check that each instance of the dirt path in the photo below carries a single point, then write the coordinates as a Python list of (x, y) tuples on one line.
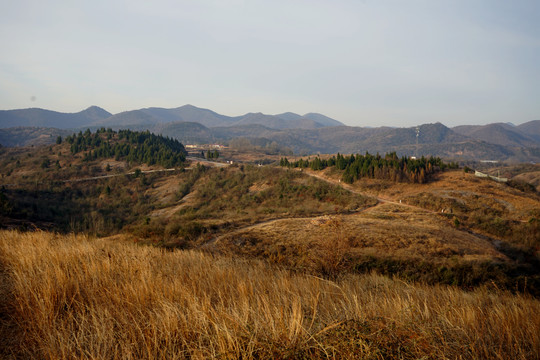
[(194, 160), (271, 221), (116, 175), (379, 199), (380, 202)]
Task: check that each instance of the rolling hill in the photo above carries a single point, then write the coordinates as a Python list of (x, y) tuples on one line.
[(499, 134), (532, 128), (209, 118), (95, 117), (240, 254), (35, 117), (28, 136)]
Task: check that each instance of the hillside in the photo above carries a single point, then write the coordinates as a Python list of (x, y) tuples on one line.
[(185, 304), (531, 128), (499, 134), (294, 261), (86, 182), (434, 140), (230, 210), (186, 132), (30, 136), (321, 140)]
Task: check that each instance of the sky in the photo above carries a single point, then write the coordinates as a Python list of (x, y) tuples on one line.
[(365, 63)]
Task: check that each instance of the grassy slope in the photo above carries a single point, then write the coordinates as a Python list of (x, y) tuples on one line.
[(272, 213), (75, 297), (493, 240), (216, 201), (186, 304), (493, 209)]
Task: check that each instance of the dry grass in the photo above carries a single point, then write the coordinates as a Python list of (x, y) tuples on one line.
[(74, 297), (531, 178), (387, 229)]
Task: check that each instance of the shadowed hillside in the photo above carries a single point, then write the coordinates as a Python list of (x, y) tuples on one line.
[(251, 261)]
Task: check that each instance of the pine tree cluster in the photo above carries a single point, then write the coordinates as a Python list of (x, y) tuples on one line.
[(389, 167), (132, 146)]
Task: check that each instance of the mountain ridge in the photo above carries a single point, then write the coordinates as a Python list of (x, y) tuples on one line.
[(38, 117), (303, 134), (95, 117)]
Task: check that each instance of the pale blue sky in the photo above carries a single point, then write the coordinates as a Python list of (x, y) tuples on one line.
[(365, 63)]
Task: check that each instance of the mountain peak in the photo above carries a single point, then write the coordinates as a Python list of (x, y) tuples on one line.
[(95, 113), (290, 116), (322, 119)]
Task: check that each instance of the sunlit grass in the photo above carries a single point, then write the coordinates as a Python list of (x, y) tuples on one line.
[(77, 297)]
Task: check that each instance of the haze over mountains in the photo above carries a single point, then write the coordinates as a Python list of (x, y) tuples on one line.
[(95, 116), (46, 118), (302, 134)]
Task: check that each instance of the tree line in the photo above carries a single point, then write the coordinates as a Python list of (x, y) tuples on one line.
[(128, 145), (388, 167)]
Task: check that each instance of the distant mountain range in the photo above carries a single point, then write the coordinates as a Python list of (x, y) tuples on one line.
[(46, 118), (303, 134), (95, 117)]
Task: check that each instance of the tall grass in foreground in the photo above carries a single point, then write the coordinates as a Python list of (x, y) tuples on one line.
[(74, 297)]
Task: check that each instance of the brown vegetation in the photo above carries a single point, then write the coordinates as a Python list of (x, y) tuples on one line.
[(214, 201), (313, 295), (76, 297)]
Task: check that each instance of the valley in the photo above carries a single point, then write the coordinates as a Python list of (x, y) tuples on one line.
[(99, 203)]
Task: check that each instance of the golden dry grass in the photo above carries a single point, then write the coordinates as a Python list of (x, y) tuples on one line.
[(457, 185), (532, 177), (387, 229), (66, 297)]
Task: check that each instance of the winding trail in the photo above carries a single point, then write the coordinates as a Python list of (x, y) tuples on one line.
[(380, 201), (270, 221)]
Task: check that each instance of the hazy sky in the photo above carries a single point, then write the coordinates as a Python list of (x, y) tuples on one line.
[(365, 63)]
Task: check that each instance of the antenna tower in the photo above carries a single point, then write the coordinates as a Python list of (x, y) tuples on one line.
[(417, 135)]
